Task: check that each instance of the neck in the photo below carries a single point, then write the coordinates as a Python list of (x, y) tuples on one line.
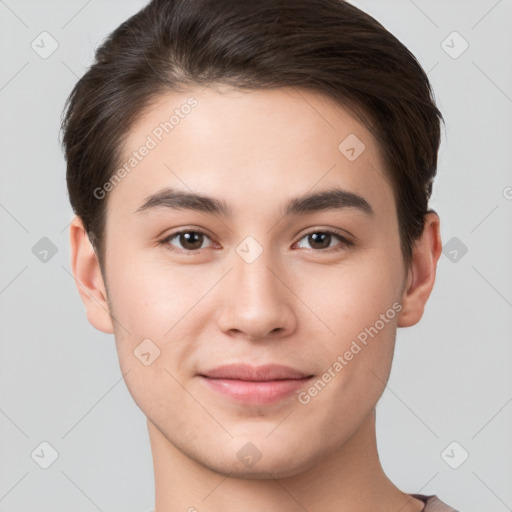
[(350, 479)]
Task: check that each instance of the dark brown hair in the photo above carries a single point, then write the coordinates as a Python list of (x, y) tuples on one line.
[(324, 46)]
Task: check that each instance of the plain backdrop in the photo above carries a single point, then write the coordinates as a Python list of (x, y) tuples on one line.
[(444, 421)]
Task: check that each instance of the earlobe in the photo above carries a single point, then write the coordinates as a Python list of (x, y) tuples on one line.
[(422, 273), (88, 279)]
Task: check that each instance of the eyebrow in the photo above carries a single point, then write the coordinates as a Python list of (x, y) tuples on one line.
[(330, 199)]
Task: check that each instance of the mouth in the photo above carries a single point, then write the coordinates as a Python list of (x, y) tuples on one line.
[(265, 384)]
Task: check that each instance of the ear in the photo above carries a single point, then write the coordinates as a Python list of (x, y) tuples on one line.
[(88, 278), (422, 272)]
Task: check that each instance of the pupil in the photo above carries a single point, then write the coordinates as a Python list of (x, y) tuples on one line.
[(325, 236), (188, 238)]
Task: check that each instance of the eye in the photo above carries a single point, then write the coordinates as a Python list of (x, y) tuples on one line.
[(193, 240), (190, 240), (321, 241)]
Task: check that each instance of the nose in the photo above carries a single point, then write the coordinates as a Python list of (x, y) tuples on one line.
[(258, 299)]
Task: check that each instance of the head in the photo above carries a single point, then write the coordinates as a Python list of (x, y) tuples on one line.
[(290, 120)]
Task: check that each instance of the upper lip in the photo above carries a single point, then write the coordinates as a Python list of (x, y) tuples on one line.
[(254, 373)]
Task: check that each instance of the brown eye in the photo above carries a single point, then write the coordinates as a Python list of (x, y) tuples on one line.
[(322, 240), (189, 240)]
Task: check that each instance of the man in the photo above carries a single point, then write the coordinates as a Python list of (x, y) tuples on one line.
[(251, 184)]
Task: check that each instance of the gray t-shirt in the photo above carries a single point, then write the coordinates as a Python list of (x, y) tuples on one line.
[(433, 503)]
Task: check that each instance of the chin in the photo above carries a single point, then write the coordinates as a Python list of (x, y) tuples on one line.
[(259, 459), (268, 469)]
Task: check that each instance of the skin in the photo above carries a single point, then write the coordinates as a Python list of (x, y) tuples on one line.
[(292, 305)]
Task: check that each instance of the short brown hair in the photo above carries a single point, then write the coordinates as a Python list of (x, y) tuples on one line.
[(324, 46)]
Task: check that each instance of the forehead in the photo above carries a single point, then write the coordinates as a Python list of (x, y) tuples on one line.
[(245, 145)]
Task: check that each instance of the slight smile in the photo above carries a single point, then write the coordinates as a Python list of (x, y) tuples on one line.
[(255, 385)]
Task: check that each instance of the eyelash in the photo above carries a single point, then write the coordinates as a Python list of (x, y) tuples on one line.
[(345, 242)]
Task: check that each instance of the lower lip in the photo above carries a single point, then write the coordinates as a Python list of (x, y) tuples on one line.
[(261, 392)]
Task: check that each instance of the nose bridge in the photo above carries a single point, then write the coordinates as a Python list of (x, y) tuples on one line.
[(255, 267), (256, 304)]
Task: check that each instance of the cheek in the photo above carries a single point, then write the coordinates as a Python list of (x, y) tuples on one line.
[(150, 298), (351, 297), (153, 332), (359, 308), (358, 305), (157, 307)]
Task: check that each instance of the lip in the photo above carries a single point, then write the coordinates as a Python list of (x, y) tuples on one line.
[(265, 384), (254, 373)]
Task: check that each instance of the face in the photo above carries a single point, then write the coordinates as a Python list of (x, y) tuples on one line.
[(261, 275)]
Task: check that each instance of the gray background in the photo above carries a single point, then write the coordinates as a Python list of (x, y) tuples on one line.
[(60, 380)]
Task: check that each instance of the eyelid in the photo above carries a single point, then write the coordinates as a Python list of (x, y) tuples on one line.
[(345, 235), (346, 242)]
